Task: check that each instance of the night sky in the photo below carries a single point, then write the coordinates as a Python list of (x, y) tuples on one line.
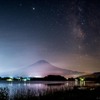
[(66, 33)]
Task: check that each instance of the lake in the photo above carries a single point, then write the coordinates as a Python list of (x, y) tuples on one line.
[(44, 85)]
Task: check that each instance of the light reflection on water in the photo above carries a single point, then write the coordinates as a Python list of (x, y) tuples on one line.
[(41, 86)]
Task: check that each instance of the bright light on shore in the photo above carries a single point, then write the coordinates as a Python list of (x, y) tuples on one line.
[(38, 76)]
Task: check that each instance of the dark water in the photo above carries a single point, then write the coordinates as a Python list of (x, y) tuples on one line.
[(41, 86)]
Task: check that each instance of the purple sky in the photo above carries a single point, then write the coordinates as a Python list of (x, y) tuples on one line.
[(63, 32)]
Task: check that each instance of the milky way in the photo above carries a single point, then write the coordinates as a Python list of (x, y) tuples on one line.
[(66, 33)]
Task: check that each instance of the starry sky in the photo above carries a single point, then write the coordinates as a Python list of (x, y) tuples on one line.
[(66, 33)]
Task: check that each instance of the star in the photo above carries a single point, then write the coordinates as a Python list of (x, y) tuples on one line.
[(82, 23), (33, 8)]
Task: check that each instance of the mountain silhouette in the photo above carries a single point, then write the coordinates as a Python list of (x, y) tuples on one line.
[(43, 68)]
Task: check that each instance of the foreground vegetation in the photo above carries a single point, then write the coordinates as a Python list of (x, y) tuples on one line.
[(63, 94)]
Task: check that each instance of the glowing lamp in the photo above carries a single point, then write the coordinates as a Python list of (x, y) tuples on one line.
[(28, 79), (24, 79), (82, 79), (9, 80)]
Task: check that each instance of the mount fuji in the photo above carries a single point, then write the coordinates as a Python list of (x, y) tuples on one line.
[(40, 69), (43, 68)]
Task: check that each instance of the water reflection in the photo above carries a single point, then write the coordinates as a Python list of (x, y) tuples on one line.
[(41, 86), (82, 83)]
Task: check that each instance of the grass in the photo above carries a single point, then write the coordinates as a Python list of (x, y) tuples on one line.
[(50, 94), (4, 94)]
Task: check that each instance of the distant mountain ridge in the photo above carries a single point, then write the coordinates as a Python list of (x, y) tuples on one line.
[(92, 75)]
